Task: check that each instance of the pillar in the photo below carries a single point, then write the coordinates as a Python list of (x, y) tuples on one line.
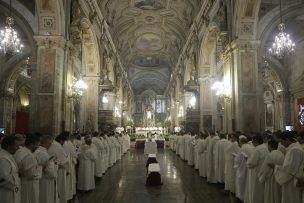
[(46, 101), (245, 86)]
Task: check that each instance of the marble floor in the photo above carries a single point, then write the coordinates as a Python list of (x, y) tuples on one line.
[(125, 183)]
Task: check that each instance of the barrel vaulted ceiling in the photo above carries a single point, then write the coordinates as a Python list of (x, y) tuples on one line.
[(149, 36)]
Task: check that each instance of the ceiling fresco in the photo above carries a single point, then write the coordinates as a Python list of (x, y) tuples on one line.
[(149, 36)]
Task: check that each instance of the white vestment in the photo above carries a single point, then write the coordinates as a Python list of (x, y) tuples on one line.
[(254, 164), (47, 183), (70, 150), (240, 164), (203, 157), (10, 185), (98, 145), (113, 151), (87, 158), (26, 161), (293, 166), (229, 169), (211, 175), (190, 157), (60, 157), (182, 150), (196, 153), (150, 147), (105, 155), (220, 148), (272, 190)]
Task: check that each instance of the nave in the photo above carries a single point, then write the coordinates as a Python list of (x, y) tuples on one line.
[(125, 183)]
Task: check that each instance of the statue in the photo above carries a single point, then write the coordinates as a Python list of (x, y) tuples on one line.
[(149, 117)]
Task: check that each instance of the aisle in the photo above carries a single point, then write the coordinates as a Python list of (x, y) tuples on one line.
[(125, 183)]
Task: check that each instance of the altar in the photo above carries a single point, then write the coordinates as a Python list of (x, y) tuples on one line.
[(144, 131)]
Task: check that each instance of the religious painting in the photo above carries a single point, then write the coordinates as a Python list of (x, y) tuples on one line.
[(249, 114), (248, 74), (149, 42), (207, 122), (269, 115), (148, 4), (46, 70), (158, 106)]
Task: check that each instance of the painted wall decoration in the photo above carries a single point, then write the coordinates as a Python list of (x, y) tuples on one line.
[(47, 70), (149, 42), (45, 117), (249, 114), (207, 122), (248, 73), (148, 4)]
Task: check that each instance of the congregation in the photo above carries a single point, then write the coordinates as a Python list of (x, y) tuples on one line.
[(39, 168), (255, 168)]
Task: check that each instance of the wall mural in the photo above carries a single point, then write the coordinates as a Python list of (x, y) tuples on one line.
[(149, 42)]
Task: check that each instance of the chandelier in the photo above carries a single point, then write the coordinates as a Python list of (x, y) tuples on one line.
[(9, 41), (78, 87), (222, 89), (283, 45)]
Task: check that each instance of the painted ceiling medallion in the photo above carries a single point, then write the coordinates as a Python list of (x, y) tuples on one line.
[(150, 19), (149, 42), (149, 4)]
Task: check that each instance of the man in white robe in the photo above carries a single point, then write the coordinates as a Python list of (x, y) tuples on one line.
[(47, 183), (220, 149), (182, 147), (240, 164), (87, 158), (272, 190), (98, 145), (57, 151), (190, 150), (203, 164), (230, 171), (105, 154), (211, 175), (117, 147), (27, 163), (10, 185), (71, 152), (112, 155), (292, 168), (196, 152), (254, 164)]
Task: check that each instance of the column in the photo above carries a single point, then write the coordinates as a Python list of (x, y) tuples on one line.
[(46, 101), (245, 83)]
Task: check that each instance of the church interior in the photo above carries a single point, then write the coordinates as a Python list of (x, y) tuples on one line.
[(147, 68)]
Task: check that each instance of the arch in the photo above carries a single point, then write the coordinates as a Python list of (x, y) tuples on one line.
[(91, 54), (245, 18), (208, 42), (51, 19)]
